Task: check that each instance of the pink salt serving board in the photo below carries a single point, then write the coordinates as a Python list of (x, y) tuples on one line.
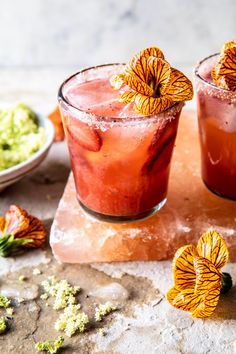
[(191, 209)]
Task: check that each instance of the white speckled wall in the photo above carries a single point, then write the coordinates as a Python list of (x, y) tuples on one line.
[(75, 33)]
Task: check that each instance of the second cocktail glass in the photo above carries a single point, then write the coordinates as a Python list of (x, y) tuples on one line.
[(217, 130)]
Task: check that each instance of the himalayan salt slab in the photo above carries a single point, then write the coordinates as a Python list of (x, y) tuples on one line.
[(190, 210)]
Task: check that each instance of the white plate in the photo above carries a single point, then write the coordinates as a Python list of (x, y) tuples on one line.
[(15, 173)]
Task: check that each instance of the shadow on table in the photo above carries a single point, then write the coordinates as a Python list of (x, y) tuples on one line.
[(226, 308)]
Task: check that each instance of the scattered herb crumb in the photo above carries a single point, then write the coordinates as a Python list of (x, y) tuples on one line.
[(101, 332), (9, 311), (4, 301), (103, 310), (3, 324), (20, 300), (62, 291), (37, 271), (44, 296), (50, 346), (72, 321), (22, 278)]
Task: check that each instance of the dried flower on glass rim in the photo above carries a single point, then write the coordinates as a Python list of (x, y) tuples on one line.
[(151, 83), (19, 229), (224, 71), (198, 280)]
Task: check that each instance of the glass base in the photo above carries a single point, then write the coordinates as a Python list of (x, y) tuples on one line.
[(217, 193), (123, 219)]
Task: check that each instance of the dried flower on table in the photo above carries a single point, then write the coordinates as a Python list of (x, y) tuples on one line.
[(20, 229), (198, 280), (50, 346)]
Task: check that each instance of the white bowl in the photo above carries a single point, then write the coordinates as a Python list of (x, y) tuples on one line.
[(15, 173)]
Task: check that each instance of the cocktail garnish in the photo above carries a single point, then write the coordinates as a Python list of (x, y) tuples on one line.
[(20, 229), (224, 71), (198, 280), (151, 83)]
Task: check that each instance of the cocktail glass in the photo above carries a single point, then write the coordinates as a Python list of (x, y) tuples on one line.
[(120, 159), (217, 129)]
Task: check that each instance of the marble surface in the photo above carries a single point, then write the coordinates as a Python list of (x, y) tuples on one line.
[(78, 33)]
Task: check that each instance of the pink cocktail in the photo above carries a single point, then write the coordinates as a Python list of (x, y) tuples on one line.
[(120, 159), (217, 128)]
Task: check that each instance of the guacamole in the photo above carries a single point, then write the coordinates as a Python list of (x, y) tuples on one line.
[(20, 135)]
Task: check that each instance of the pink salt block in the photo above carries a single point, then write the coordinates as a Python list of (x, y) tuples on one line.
[(191, 209)]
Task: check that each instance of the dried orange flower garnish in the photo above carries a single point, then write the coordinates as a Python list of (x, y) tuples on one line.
[(224, 71), (198, 280), (55, 117), (153, 85), (18, 229)]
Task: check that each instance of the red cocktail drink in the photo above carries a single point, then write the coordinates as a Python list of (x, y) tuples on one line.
[(217, 128), (120, 159)]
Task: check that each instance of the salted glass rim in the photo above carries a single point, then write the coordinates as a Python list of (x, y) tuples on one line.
[(93, 117), (211, 84)]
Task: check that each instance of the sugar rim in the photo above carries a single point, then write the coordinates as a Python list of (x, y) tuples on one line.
[(227, 94), (94, 118)]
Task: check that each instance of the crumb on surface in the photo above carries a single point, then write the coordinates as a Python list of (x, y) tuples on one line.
[(3, 324), (63, 292), (36, 271), (22, 278), (103, 310), (4, 301), (72, 321), (50, 346)]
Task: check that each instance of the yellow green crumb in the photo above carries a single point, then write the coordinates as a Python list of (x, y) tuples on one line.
[(103, 310), (50, 346), (22, 278), (36, 271), (72, 321), (3, 324)]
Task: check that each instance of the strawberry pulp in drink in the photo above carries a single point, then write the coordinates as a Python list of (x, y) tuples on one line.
[(120, 159), (217, 129)]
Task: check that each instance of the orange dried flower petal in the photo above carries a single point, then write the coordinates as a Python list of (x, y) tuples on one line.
[(35, 232), (138, 64), (224, 71), (55, 117), (128, 96), (2, 223), (22, 225), (136, 84), (213, 247), (185, 300), (159, 75), (180, 87), (183, 267), (151, 105), (152, 52), (208, 285), (17, 220)]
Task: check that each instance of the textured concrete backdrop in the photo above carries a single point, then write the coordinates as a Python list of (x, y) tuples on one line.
[(75, 33)]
